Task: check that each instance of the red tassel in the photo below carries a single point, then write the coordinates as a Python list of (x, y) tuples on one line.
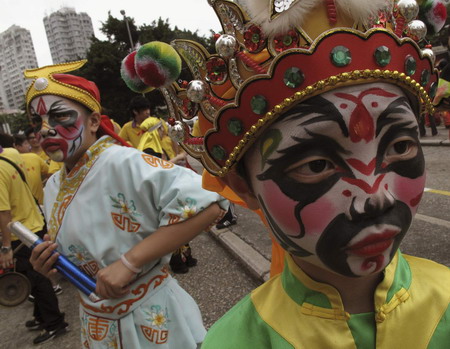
[(194, 141), (331, 10), (400, 26), (251, 63), (216, 101)]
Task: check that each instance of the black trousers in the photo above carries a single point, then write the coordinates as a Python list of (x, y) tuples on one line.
[(46, 307)]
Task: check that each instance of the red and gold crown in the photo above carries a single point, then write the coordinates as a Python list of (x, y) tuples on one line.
[(275, 54)]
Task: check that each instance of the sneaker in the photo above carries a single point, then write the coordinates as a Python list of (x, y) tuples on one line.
[(33, 325), (226, 223), (178, 262), (58, 289), (45, 335), (31, 298)]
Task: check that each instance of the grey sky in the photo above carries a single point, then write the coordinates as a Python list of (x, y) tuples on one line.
[(29, 14)]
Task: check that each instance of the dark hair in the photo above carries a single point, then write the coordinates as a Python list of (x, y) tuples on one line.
[(442, 63), (28, 130), (6, 141), (138, 104), (19, 139), (445, 73)]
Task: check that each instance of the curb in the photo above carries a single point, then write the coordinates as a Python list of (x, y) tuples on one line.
[(252, 260), (435, 142)]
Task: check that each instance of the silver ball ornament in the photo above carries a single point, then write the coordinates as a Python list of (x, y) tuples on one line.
[(428, 52), (196, 91), (226, 46), (409, 9), (41, 84), (176, 132), (416, 30)]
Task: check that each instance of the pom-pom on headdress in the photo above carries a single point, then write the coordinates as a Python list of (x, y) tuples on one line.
[(153, 65), (275, 54)]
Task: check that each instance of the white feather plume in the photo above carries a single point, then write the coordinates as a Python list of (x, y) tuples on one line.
[(259, 12)]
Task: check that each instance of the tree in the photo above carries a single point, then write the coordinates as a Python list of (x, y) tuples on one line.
[(105, 57)]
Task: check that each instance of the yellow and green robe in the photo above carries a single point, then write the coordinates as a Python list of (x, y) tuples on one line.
[(293, 311)]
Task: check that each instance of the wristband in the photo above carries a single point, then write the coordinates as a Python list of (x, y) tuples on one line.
[(129, 265)]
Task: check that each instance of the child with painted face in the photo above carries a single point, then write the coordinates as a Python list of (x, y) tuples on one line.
[(117, 214), (322, 137)]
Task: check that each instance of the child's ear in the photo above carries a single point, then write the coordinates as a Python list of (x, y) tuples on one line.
[(241, 188), (94, 121)]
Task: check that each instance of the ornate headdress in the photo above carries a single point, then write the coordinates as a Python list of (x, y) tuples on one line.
[(49, 80), (275, 54)]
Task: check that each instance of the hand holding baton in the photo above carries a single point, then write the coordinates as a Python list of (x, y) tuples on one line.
[(70, 271)]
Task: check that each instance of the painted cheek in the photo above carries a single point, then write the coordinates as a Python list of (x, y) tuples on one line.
[(318, 215), (70, 132), (280, 207), (409, 190)]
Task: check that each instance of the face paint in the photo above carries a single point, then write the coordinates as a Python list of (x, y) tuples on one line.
[(59, 125), (341, 181)]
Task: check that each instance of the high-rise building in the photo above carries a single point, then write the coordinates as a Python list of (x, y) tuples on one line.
[(69, 34), (16, 55)]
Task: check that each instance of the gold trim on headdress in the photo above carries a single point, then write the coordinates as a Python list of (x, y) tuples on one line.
[(45, 84)]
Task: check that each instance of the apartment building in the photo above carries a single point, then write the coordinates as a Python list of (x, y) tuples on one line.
[(69, 34), (16, 54)]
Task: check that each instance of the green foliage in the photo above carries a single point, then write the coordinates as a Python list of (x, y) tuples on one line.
[(105, 57), (17, 121)]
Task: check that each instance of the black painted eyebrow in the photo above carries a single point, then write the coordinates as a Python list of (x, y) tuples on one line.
[(399, 106), (317, 105), (56, 107)]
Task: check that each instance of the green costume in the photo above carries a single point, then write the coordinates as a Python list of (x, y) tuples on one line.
[(293, 311)]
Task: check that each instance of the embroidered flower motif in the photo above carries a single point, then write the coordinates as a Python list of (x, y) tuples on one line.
[(157, 316), (217, 69), (158, 319), (78, 254), (286, 41), (253, 38), (188, 208), (127, 208)]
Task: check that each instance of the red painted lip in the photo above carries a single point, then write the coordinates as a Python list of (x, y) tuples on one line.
[(373, 245), (52, 145)]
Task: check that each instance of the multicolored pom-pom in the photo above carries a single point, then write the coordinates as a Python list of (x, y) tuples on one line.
[(153, 65), (434, 14), (130, 76)]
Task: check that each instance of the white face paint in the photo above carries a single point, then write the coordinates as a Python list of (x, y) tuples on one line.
[(59, 125), (339, 177)]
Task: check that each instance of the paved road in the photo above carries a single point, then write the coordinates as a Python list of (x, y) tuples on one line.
[(216, 283)]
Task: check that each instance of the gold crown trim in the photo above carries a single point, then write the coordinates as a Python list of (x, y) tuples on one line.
[(55, 87), (356, 77)]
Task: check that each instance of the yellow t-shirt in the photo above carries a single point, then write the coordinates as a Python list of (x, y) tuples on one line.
[(196, 129), (167, 145), (131, 134), (150, 138), (54, 166), (36, 170), (44, 156), (15, 195)]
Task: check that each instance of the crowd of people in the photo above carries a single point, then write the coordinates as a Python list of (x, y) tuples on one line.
[(330, 158)]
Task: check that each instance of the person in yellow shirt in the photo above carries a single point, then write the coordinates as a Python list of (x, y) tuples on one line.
[(54, 167), (150, 142), (140, 110), (17, 204), (35, 146), (36, 169)]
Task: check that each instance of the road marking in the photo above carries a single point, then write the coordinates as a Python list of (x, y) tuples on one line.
[(435, 191), (433, 220)]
